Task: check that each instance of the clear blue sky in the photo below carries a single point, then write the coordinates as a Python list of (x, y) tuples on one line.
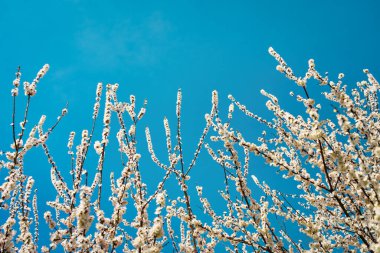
[(152, 48)]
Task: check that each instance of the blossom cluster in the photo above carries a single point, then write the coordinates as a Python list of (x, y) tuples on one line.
[(333, 159)]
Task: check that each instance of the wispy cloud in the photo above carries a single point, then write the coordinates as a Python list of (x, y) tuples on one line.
[(123, 43)]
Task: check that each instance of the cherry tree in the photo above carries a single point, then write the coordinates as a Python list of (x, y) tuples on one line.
[(332, 160)]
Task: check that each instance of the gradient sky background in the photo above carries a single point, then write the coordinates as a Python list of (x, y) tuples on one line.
[(152, 48)]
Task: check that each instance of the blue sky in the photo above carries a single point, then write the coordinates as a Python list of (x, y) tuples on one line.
[(152, 48)]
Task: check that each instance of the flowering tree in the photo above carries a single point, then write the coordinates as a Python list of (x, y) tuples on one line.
[(335, 162), (333, 159)]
